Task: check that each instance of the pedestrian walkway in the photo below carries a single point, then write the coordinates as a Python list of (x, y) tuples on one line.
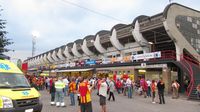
[(123, 104)]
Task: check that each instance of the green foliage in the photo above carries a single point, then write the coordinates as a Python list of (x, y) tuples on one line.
[(4, 41), (19, 64)]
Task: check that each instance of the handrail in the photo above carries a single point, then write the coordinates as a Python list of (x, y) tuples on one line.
[(191, 60), (191, 74), (192, 79)]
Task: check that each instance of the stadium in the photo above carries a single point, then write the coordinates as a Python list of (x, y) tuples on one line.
[(165, 45)]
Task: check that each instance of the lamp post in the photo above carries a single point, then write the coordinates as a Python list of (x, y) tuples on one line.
[(35, 34), (33, 45)]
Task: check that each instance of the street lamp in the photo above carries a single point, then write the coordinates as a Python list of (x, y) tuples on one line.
[(35, 34)]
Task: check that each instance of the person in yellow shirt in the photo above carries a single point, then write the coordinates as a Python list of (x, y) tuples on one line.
[(59, 86)]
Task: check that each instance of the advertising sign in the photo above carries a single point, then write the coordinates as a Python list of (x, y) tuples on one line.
[(90, 62), (106, 60), (147, 56), (66, 65), (72, 64)]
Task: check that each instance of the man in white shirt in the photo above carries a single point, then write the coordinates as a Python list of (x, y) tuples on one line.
[(149, 88), (103, 94), (65, 80), (47, 83), (129, 86), (111, 90)]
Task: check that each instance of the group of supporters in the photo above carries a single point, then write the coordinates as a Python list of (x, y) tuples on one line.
[(141, 87), (59, 87), (82, 87), (36, 81), (63, 86)]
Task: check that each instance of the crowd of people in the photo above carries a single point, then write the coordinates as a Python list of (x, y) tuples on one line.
[(36, 81), (69, 86), (60, 87)]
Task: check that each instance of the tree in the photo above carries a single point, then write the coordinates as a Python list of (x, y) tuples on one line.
[(4, 41), (19, 64)]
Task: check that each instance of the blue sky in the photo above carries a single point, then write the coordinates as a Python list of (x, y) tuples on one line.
[(59, 22)]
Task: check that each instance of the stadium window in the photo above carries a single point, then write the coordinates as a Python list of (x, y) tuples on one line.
[(128, 54), (140, 52), (178, 25), (198, 22), (118, 55), (189, 19), (192, 41), (198, 31), (194, 25), (134, 53)]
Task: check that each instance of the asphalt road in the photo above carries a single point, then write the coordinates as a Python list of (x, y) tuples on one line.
[(123, 104)]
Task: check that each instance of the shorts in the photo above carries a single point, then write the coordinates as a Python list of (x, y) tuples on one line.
[(102, 100), (86, 107)]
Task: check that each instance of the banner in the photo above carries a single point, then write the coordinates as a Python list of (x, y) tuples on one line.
[(147, 56), (90, 62), (106, 60), (72, 64)]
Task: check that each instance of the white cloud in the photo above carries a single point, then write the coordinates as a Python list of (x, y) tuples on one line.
[(19, 54)]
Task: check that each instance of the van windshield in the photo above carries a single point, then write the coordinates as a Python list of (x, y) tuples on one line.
[(11, 80)]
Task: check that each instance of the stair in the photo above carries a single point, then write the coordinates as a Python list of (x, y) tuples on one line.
[(193, 72)]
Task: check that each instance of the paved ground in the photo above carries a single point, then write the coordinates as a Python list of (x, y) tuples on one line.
[(123, 104)]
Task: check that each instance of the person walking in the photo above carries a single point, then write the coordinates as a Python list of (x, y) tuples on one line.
[(118, 86), (175, 89), (124, 87), (52, 92), (66, 89), (112, 88), (129, 87), (72, 90), (161, 87), (103, 94), (59, 86), (85, 96), (77, 92), (149, 88), (47, 83), (144, 86), (153, 90)]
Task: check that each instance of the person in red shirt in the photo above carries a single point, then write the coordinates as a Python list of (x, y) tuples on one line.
[(118, 86), (144, 86), (85, 96)]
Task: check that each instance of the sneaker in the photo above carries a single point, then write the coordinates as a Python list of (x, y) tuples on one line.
[(154, 102), (53, 103), (57, 104), (62, 104)]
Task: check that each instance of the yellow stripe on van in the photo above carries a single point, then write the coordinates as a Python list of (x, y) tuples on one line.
[(1, 103), (8, 67)]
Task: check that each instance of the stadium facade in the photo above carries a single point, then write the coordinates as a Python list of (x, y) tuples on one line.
[(165, 45)]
